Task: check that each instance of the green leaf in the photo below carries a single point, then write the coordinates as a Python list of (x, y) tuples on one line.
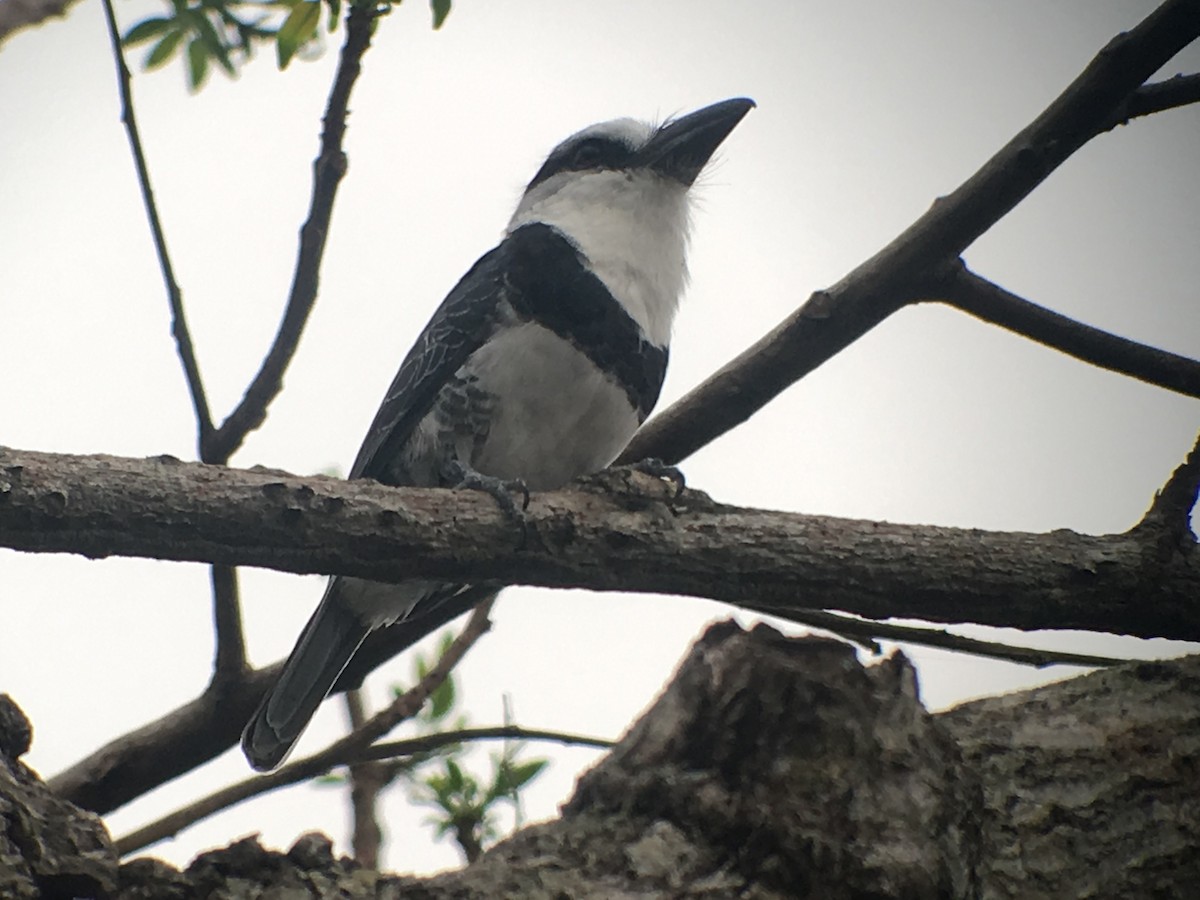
[(520, 774), (455, 780), (146, 30), (441, 9), (442, 700), (197, 53), (335, 13), (163, 50), (298, 29), (213, 42)]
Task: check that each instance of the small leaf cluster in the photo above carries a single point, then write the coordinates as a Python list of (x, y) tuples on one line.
[(464, 806), (226, 32)]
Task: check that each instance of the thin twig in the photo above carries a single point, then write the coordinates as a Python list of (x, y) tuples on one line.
[(856, 630), (833, 319), (412, 746), (179, 326), (175, 822), (230, 656), (367, 780), (973, 294), (340, 752), (200, 729), (328, 170), (229, 662)]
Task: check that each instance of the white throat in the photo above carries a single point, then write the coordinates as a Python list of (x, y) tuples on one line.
[(633, 229)]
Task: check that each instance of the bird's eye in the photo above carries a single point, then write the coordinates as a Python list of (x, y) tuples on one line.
[(587, 155)]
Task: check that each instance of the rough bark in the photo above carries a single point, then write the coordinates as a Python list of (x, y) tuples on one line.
[(1091, 786), (618, 531), (774, 767), (48, 847)]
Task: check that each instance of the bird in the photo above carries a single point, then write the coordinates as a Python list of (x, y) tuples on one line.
[(536, 369)]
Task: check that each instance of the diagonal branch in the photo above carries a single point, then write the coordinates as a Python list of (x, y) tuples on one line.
[(340, 752), (179, 326), (1172, 506), (859, 630), (328, 170), (200, 730), (173, 823), (973, 294), (1160, 96), (833, 319)]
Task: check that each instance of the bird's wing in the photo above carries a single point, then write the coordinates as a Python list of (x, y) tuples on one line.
[(460, 326)]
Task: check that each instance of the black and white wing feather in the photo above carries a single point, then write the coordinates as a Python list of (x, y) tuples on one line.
[(459, 327)]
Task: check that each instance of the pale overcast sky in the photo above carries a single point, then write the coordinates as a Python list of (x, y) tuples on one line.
[(867, 112)]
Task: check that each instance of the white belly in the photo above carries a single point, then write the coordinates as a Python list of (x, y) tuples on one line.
[(555, 415)]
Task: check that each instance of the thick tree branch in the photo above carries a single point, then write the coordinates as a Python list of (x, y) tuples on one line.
[(624, 533), (833, 319), (967, 291), (178, 742), (773, 767), (179, 326), (328, 170)]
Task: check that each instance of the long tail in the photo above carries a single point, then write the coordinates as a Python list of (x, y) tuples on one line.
[(326, 645)]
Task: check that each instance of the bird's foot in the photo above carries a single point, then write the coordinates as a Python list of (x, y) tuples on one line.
[(656, 468), (621, 482), (460, 475)]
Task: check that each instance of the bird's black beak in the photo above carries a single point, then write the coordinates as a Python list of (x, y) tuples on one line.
[(682, 147)]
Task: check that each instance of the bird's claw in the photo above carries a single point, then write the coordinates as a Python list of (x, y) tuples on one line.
[(501, 490), (656, 468)]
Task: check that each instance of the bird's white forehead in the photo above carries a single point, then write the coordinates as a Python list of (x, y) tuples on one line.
[(632, 132)]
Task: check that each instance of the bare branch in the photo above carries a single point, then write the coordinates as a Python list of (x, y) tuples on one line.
[(1159, 96), (833, 319), (412, 746), (142, 759), (1173, 505), (229, 659), (366, 779), (967, 291), (175, 822), (619, 531), (179, 326), (350, 747), (207, 726), (858, 630), (328, 170)]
